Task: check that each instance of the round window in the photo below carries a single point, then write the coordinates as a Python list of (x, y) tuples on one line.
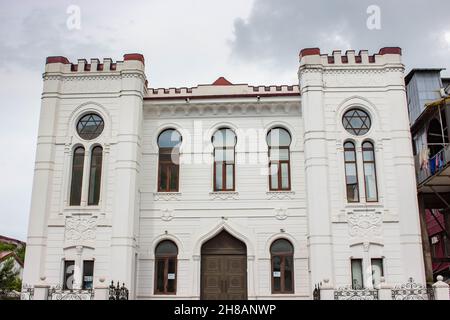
[(356, 121), (90, 126)]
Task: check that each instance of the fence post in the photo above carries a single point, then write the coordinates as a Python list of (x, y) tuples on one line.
[(326, 290), (101, 290), (41, 290), (384, 290), (441, 289)]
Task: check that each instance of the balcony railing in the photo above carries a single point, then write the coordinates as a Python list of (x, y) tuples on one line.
[(428, 168)]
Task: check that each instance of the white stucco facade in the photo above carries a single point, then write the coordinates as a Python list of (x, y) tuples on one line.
[(121, 233)]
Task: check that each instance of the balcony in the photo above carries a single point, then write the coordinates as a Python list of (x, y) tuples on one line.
[(433, 175)]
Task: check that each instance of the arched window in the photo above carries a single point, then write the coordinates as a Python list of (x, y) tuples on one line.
[(169, 142), (351, 172), (370, 176), (224, 141), (166, 267), (77, 176), (279, 140), (95, 175), (282, 257)]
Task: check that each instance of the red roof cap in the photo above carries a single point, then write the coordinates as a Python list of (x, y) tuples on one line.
[(221, 81), (57, 59), (134, 56), (309, 52)]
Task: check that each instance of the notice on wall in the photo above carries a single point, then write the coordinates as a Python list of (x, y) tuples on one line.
[(276, 274), (171, 276)]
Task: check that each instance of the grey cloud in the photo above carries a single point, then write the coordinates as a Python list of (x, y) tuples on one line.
[(41, 31), (275, 31)]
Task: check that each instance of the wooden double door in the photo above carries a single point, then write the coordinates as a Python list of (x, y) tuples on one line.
[(224, 269)]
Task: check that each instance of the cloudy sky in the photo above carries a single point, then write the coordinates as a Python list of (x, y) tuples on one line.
[(185, 43)]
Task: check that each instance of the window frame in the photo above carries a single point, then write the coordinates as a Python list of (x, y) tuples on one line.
[(80, 171), (279, 163), (372, 149), (90, 182), (83, 287), (66, 275), (168, 165), (224, 164), (165, 258), (282, 256), (371, 268), (355, 163), (362, 273)]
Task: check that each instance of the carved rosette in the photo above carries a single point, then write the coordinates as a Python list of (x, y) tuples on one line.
[(80, 229), (364, 224)]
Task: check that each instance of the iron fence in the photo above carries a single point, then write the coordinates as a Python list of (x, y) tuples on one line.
[(347, 293), (56, 293), (412, 291)]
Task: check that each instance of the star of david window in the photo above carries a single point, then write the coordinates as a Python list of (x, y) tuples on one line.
[(356, 121), (90, 126)]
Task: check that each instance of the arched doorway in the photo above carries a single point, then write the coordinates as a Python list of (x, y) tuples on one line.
[(224, 268)]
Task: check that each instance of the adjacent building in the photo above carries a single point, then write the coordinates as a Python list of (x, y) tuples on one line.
[(223, 190), (429, 112)]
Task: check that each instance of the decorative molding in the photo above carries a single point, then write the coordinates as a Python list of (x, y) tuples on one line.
[(177, 110), (280, 195), (80, 228), (364, 223), (166, 214), (166, 196), (281, 214), (224, 195)]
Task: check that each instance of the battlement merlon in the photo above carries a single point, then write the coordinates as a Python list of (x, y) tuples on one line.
[(386, 56), (62, 65), (60, 68)]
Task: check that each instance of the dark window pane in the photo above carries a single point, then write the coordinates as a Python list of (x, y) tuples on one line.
[(169, 139), (77, 176), (288, 279), (95, 176), (276, 273), (166, 248), (69, 270), (281, 246), (163, 177), (160, 269), (351, 172), (173, 177), (90, 126), (171, 276), (88, 274)]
